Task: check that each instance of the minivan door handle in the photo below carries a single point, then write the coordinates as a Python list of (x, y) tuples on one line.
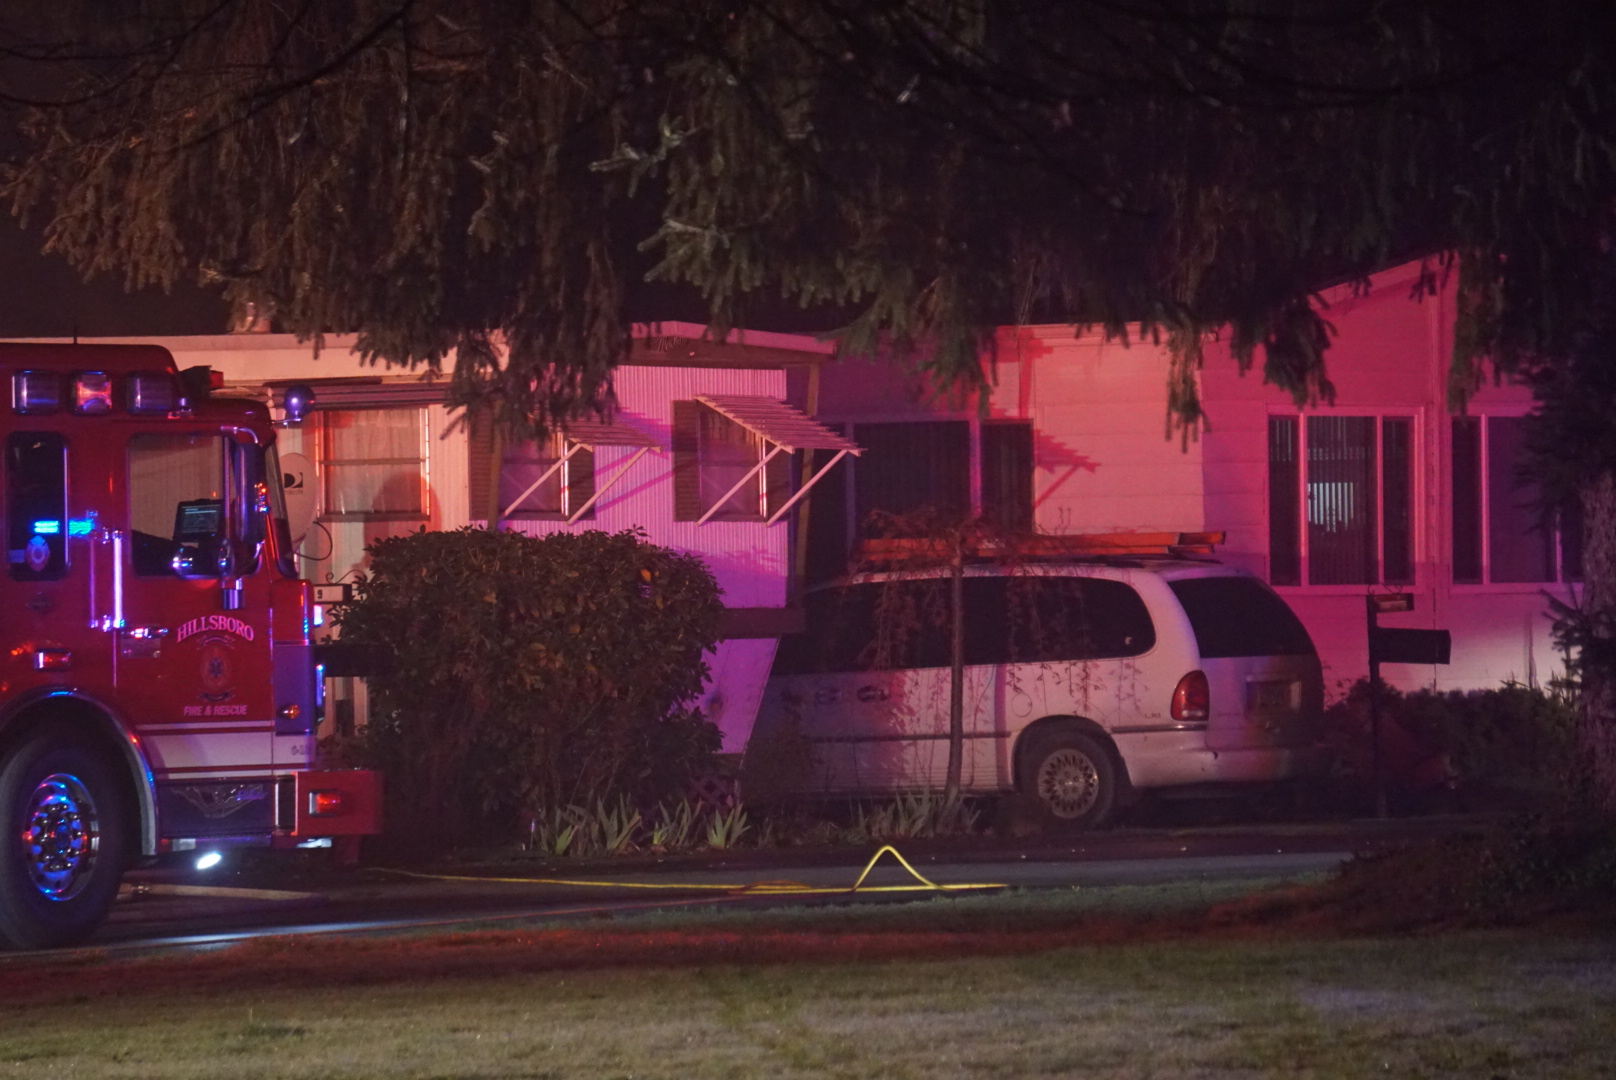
[(871, 693)]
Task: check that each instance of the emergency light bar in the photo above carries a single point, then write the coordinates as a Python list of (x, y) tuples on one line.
[(148, 392), (145, 393), (92, 393), (36, 392)]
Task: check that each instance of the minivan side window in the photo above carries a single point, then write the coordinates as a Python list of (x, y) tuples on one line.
[(1239, 616), (874, 626), (1021, 619), (1043, 619)]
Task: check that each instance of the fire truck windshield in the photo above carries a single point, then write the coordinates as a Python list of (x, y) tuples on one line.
[(193, 506)]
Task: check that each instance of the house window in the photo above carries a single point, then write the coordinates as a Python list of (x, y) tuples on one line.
[(1007, 460), (1500, 532), (921, 465), (1340, 500), (375, 464), (712, 455), (560, 493), (912, 467)]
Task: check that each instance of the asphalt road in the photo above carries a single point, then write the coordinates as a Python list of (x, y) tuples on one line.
[(175, 906)]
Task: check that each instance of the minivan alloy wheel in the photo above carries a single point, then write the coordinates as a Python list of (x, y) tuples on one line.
[(1072, 779), (1068, 783)]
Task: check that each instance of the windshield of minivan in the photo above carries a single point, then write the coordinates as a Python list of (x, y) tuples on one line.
[(1239, 616)]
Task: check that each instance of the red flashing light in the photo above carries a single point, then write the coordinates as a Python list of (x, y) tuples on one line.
[(52, 660), (1192, 699), (92, 393), (325, 804)]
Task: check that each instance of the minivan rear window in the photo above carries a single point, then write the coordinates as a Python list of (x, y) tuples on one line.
[(1240, 616)]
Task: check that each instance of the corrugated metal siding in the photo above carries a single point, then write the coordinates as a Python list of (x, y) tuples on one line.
[(748, 558)]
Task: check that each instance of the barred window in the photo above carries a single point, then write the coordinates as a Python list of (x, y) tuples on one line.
[(1340, 500)]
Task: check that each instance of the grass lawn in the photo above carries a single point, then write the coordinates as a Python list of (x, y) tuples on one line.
[(1010, 986)]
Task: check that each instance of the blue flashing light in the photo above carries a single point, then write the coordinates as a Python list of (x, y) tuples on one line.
[(80, 526), (48, 527)]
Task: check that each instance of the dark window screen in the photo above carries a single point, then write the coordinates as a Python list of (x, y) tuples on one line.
[(1237, 616), (1467, 500), (827, 518), (1397, 480), (1519, 548), (1284, 503), (1007, 475), (1341, 532), (913, 467), (36, 505)]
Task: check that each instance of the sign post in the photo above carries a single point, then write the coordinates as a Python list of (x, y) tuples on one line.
[(1395, 646)]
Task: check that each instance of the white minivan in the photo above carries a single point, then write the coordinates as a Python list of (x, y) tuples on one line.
[(1085, 682)]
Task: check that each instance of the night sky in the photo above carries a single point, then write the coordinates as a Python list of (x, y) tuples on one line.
[(41, 296)]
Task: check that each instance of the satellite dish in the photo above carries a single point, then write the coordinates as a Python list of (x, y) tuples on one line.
[(297, 477)]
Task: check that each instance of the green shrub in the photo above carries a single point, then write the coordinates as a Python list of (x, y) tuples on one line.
[(531, 673), (1512, 737)]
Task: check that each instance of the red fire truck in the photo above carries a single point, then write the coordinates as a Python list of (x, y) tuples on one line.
[(159, 691)]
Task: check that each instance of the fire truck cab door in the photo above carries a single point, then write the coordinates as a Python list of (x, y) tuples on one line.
[(194, 647)]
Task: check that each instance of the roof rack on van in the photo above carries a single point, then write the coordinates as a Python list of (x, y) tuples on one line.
[(1039, 546)]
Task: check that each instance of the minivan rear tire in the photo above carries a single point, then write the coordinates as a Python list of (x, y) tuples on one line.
[(1072, 780)]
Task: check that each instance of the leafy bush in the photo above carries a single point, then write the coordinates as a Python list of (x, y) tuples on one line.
[(531, 673), (915, 815), (1512, 737)]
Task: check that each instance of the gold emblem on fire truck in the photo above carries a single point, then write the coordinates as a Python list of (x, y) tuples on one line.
[(217, 669)]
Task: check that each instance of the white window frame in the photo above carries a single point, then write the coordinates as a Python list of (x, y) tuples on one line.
[(559, 464), (1484, 451), (423, 463), (1416, 497), (848, 425)]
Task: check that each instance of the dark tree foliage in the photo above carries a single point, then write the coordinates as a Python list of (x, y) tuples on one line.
[(441, 176)]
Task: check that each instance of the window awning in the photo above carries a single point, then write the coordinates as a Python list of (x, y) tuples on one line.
[(776, 422), (362, 393), (592, 434), (595, 433)]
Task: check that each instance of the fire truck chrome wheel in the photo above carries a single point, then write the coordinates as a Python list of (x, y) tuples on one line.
[(61, 836), (68, 827), (1072, 779)]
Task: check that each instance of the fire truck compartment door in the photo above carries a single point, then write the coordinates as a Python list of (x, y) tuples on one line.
[(297, 696)]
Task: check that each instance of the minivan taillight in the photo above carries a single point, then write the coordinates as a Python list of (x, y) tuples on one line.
[(1192, 699)]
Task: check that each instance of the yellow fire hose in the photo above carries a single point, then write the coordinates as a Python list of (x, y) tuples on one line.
[(752, 888)]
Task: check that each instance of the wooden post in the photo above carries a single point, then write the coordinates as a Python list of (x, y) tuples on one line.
[(496, 465), (1378, 766), (956, 679)]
